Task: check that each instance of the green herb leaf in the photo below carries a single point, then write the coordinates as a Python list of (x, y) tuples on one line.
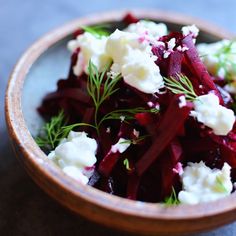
[(97, 30), (100, 89), (55, 130), (181, 85), (51, 132), (172, 200), (127, 113), (126, 164)]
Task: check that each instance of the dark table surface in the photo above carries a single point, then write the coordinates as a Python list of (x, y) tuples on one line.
[(24, 208)]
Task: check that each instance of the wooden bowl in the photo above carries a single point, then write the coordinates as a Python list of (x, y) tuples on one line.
[(36, 74)]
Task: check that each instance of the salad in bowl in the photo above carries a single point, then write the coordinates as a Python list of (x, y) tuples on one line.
[(145, 113)]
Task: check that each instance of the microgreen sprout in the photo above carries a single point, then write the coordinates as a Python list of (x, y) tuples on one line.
[(172, 199)]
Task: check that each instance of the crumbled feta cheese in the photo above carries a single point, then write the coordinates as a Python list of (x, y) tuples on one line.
[(182, 101), (190, 29), (92, 48), (150, 104), (170, 46), (122, 118), (149, 28), (182, 48), (119, 44), (141, 72), (208, 111), (171, 43), (76, 173), (135, 61), (75, 154), (202, 184), (120, 146), (178, 169), (131, 57)]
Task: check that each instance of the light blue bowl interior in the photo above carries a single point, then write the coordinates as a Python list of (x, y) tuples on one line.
[(41, 79)]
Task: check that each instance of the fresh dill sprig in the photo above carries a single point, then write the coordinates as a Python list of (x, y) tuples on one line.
[(97, 30), (55, 130), (100, 89), (128, 113), (220, 186), (172, 200), (181, 85), (126, 164), (51, 133)]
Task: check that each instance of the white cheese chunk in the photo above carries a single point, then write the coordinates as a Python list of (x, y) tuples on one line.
[(182, 101), (92, 48), (141, 72), (121, 146), (190, 29), (131, 55), (75, 155), (202, 184), (208, 111), (148, 28), (135, 61)]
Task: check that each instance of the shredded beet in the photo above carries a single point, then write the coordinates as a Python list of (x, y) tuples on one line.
[(163, 136)]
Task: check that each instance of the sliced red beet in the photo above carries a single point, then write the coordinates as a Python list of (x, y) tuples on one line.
[(172, 136), (130, 18), (168, 162), (133, 185), (198, 69), (171, 122), (175, 64)]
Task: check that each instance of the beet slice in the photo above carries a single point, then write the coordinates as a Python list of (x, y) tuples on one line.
[(175, 64), (168, 163), (133, 185), (170, 124), (130, 18), (204, 81)]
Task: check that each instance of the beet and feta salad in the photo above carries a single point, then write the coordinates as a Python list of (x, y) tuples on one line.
[(145, 114)]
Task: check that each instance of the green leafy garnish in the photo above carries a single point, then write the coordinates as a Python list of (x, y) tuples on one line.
[(220, 186), (172, 200), (128, 114), (54, 131), (100, 90), (97, 30), (181, 85), (126, 164)]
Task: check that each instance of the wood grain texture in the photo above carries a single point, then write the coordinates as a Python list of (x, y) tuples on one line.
[(112, 211)]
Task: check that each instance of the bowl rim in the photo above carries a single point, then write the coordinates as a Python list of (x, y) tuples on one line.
[(34, 158)]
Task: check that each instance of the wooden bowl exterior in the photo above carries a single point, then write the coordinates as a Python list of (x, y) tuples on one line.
[(112, 211)]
